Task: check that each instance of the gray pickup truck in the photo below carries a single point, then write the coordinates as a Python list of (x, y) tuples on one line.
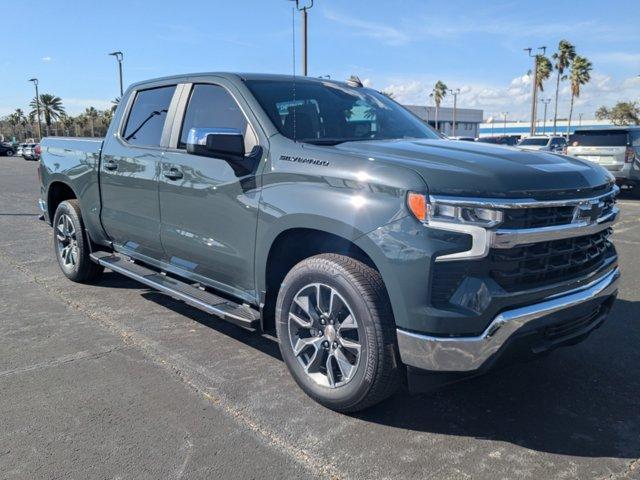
[(377, 251)]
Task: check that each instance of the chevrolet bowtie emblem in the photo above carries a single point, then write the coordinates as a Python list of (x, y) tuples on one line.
[(588, 211)]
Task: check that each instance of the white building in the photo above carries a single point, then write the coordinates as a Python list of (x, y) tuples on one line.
[(497, 126)]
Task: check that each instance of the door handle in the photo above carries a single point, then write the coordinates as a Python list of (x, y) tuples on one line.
[(110, 165), (172, 174)]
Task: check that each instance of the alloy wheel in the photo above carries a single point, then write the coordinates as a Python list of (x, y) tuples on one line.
[(323, 332), (66, 241)]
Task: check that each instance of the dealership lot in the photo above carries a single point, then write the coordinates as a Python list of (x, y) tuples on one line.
[(115, 381)]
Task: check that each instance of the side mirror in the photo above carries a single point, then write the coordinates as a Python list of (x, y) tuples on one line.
[(226, 143)]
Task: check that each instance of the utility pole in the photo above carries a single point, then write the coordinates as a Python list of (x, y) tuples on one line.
[(504, 125), (534, 95), (545, 101), (35, 82), (303, 11), (455, 94), (119, 56), (580, 118)]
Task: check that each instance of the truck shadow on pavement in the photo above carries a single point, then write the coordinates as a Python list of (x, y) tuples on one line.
[(581, 401)]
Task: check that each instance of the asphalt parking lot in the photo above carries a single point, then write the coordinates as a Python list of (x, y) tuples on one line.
[(113, 380)]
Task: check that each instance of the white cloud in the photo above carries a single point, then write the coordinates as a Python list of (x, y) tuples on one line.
[(515, 97), (379, 31), (46, 59)]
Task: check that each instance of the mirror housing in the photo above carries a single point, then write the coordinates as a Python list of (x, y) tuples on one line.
[(226, 143)]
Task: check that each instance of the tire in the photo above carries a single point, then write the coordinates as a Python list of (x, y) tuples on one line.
[(10, 153), (71, 244), (359, 366)]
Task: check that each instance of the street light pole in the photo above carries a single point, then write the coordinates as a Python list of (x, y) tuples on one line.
[(534, 94), (35, 82), (303, 11), (504, 125), (455, 94), (119, 56), (545, 101)]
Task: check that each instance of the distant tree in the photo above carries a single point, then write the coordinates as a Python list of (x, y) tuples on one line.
[(50, 106), (67, 123), (388, 93), (622, 113), (580, 75), (562, 59), (438, 93), (92, 115), (81, 123), (116, 102)]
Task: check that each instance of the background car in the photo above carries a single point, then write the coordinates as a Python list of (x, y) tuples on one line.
[(7, 149), (31, 151), (20, 149), (617, 149), (509, 140), (543, 143)]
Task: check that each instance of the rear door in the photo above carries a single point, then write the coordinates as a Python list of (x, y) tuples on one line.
[(130, 168), (604, 147), (209, 214)]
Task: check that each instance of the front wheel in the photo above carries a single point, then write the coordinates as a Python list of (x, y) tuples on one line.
[(9, 153), (71, 244), (336, 332)]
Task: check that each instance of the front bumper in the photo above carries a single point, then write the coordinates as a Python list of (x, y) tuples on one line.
[(467, 354)]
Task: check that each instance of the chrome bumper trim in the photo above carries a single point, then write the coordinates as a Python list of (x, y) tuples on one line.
[(463, 354), (42, 204)]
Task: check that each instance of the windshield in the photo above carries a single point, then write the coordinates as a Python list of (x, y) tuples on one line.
[(538, 142), (599, 138), (329, 113)]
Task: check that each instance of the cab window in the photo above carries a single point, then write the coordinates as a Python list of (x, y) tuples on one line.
[(148, 113)]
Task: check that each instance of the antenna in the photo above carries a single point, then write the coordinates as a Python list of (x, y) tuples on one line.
[(293, 38)]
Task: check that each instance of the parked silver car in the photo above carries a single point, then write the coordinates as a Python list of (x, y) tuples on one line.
[(31, 151), (617, 149), (543, 143)]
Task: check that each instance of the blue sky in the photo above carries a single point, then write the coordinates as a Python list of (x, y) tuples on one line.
[(403, 46)]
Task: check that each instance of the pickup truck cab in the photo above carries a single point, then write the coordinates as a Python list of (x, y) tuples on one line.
[(325, 211)]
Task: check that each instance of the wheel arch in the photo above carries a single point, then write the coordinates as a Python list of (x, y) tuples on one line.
[(291, 246), (57, 192)]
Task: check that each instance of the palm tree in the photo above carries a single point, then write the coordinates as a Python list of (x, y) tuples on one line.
[(50, 105), (438, 94), (544, 69), (580, 75), (81, 122), (67, 122), (562, 58), (92, 114)]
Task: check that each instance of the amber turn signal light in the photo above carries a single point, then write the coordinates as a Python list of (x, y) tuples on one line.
[(417, 203)]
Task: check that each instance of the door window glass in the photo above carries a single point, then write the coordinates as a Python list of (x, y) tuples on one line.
[(147, 116), (211, 106)]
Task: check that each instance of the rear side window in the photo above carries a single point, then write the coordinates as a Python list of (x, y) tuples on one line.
[(211, 106), (600, 138), (147, 116)]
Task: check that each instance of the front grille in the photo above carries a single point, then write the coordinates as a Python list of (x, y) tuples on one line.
[(537, 217), (548, 262), (546, 216), (526, 267)]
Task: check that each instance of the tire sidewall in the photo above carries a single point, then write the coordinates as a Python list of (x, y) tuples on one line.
[(333, 275)]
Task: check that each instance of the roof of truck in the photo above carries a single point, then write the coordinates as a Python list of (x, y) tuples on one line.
[(240, 76)]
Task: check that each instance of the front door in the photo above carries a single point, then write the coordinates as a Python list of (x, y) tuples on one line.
[(129, 174), (209, 214)]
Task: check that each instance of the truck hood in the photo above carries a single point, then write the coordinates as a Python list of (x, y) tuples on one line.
[(484, 170)]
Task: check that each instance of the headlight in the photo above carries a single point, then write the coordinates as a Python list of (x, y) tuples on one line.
[(427, 212)]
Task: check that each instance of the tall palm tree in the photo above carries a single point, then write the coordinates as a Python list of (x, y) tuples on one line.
[(92, 114), (562, 59), (580, 75), (50, 106), (544, 69), (67, 122), (438, 93), (81, 123)]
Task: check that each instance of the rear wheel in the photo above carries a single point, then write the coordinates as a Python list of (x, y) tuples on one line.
[(336, 332), (71, 244), (9, 153)]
